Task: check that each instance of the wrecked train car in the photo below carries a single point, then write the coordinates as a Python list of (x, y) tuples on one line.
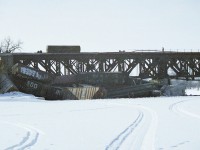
[(104, 78), (42, 84)]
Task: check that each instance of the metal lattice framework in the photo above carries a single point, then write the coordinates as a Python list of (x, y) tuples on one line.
[(142, 64)]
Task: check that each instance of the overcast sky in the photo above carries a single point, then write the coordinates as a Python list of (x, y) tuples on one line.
[(102, 25)]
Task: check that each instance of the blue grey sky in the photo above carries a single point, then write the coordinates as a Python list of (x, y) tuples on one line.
[(102, 25)]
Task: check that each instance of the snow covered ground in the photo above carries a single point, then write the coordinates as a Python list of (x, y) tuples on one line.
[(162, 123)]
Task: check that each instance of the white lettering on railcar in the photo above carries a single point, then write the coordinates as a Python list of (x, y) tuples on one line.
[(32, 73), (32, 85), (28, 71)]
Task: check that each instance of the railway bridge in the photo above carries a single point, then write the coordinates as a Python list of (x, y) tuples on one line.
[(155, 65)]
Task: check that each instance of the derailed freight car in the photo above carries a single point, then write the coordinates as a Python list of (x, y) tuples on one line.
[(104, 78), (50, 92), (93, 85), (39, 83), (142, 90)]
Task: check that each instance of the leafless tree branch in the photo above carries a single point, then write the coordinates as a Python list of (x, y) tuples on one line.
[(9, 46)]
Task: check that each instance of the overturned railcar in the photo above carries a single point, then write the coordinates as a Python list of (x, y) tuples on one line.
[(142, 90), (42, 84), (104, 78), (50, 92)]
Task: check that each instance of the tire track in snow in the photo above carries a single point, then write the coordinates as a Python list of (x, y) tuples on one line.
[(116, 143), (24, 139), (175, 146), (176, 107), (141, 131), (30, 138)]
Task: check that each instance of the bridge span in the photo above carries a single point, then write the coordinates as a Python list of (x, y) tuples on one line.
[(156, 65)]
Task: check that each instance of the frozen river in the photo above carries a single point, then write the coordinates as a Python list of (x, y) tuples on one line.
[(162, 123)]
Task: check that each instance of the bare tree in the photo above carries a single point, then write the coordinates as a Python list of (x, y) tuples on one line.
[(9, 46)]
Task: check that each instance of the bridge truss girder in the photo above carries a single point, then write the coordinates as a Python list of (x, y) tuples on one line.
[(147, 65)]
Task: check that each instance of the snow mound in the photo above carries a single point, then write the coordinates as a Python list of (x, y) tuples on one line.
[(192, 91), (16, 94), (19, 96)]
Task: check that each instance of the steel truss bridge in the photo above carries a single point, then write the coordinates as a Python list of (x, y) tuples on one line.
[(139, 64)]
